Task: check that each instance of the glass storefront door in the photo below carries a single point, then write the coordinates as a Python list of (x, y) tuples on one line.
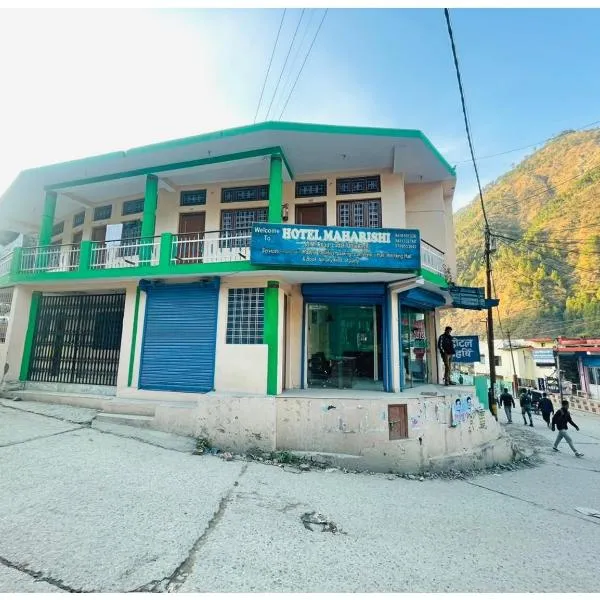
[(415, 347), (344, 346)]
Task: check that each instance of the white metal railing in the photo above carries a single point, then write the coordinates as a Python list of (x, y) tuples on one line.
[(432, 259), (5, 264), (50, 259), (125, 253), (211, 247)]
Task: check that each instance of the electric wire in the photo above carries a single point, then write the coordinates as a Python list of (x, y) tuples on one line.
[(262, 91), (285, 63), (303, 63)]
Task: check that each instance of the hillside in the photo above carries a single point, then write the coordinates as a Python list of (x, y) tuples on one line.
[(548, 281)]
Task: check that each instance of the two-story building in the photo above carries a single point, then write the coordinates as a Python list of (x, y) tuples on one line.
[(251, 261)]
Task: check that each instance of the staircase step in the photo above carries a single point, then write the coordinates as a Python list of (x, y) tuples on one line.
[(129, 406), (141, 421), (83, 400)]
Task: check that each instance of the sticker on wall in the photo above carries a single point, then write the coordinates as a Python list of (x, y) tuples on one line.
[(415, 422)]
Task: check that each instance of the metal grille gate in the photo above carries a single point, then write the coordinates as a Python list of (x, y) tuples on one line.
[(78, 339)]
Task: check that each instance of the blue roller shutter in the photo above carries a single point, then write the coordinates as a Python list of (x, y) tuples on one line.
[(180, 330)]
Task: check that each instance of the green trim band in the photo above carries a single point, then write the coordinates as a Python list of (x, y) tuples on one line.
[(434, 278), (136, 311), (271, 336), (168, 167), (31, 327)]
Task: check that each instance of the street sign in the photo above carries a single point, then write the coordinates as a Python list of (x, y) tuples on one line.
[(543, 356), (466, 348)]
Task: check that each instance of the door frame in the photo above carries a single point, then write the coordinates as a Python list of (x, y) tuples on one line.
[(322, 205)]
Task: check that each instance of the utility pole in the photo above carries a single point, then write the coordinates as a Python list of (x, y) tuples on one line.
[(515, 380), (490, 315), (488, 236)]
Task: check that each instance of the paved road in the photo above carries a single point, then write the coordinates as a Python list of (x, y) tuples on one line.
[(85, 510)]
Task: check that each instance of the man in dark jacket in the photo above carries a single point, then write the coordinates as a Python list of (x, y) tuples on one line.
[(546, 407), (446, 348), (508, 402), (525, 402), (559, 421)]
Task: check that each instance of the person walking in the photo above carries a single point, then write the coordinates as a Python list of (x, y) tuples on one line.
[(546, 408), (525, 402), (507, 400), (559, 421), (446, 348)]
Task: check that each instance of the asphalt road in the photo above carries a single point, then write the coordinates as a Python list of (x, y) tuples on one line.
[(86, 510)]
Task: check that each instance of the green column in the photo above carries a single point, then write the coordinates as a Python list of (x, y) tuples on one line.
[(31, 326), (166, 250), (271, 335), (150, 203), (149, 216), (45, 236), (275, 189)]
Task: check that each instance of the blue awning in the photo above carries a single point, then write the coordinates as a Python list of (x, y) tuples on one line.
[(591, 361), (419, 298)]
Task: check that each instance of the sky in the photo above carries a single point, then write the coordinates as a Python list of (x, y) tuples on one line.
[(81, 83)]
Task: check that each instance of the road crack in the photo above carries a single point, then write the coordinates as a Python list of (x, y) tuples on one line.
[(173, 582), (41, 437), (532, 502), (39, 576)]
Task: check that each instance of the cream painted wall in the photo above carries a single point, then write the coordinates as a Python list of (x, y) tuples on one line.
[(392, 197), (450, 249), (127, 335), (241, 368), (426, 211), (16, 332)]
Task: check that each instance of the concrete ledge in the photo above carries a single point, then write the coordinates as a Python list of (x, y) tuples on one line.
[(83, 400), (139, 421), (168, 441)]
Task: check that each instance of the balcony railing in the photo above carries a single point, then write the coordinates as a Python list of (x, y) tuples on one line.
[(122, 254), (211, 247), (167, 250), (5, 264), (50, 259), (432, 259)]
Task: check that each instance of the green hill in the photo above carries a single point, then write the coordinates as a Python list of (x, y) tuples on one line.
[(548, 280)]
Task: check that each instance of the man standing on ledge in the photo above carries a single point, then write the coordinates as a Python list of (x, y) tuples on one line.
[(446, 348)]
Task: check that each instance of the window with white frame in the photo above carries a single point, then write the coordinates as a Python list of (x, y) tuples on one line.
[(245, 316)]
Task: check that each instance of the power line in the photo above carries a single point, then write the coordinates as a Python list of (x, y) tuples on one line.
[(303, 63), (270, 63), (487, 248), (297, 53), (461, 162), (285, 62)]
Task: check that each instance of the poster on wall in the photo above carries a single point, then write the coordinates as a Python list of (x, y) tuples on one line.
[(552, 385), (462, 408), (467, 349)]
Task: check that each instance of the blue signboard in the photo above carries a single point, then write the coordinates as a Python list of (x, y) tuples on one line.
[(307, 246), (471, 298), (543, 356), (466, 348)]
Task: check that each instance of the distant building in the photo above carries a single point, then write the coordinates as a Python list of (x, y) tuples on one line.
[(537, 359)]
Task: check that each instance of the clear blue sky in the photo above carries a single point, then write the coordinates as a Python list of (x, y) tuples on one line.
[(86, 82)]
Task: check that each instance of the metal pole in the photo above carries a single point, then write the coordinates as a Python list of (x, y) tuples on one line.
[(490, 316), (512, 357)]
